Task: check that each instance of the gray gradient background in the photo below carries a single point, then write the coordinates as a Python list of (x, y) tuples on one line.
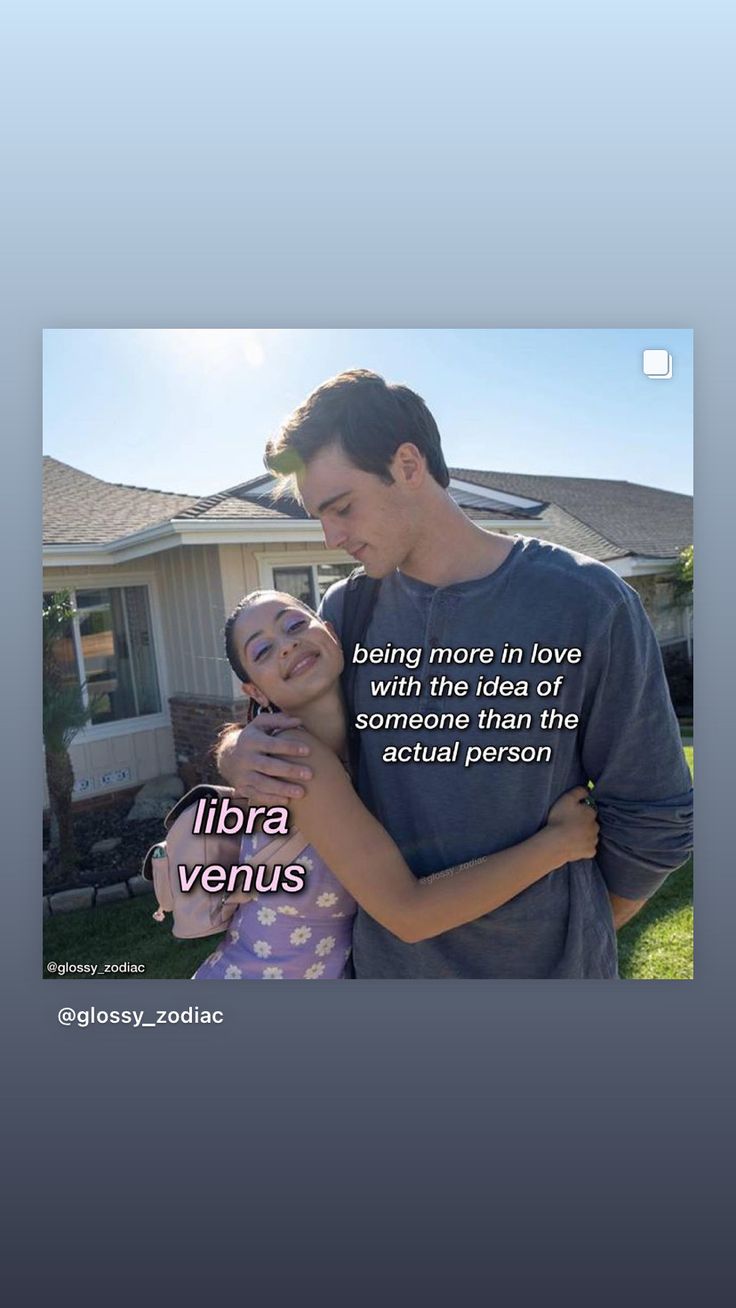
[(428, 165)]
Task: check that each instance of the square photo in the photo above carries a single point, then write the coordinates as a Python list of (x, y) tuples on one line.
[(367, 654)]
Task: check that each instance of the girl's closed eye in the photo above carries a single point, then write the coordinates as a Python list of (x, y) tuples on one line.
[(342, 513), (259, 652)]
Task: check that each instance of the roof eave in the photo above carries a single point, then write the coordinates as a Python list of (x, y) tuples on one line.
[(640, 565), (168, 535)]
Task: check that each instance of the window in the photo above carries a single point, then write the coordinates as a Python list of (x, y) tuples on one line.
[(309, 581), (109, 648), (329, 573), (297, 582)]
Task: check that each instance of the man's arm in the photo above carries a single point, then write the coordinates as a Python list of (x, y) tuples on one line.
[(623, 910), (631, 750), (364, 858)]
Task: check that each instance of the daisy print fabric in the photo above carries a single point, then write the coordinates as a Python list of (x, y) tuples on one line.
[(300, 937)]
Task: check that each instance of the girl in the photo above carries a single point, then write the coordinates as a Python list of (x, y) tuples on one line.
[(285, 655)]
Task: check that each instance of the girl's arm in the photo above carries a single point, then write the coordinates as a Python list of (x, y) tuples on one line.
[(362, 856)]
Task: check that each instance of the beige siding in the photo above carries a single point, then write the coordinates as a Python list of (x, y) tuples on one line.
[(86, 578), (146, 754), (193, 614), (239, 573)]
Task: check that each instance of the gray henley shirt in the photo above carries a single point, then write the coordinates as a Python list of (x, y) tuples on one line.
[(444, 813)]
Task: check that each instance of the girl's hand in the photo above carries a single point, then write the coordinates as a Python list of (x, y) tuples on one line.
[(575, 824)]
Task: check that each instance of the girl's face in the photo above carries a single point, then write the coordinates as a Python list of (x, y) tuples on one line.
[(290, 655)]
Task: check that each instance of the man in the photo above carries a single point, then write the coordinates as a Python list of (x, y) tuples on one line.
[(367, 461)]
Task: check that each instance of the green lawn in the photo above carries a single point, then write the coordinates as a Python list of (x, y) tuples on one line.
[(123, 933), (657, 944)]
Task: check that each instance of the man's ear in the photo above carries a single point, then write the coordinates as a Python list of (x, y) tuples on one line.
[(250, 688), (409, 466)]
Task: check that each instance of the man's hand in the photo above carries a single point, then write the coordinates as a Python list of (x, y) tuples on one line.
[(255, 763), (624, 909)]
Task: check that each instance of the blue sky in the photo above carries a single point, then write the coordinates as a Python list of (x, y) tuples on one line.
[(190, 410)]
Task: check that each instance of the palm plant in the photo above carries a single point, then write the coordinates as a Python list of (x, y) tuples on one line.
[(64, 714), (684, 576)]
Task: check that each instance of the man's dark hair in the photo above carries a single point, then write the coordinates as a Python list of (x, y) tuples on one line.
[(367, 417)]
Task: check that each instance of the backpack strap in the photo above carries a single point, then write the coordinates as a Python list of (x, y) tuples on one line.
[(155, 852), (193, 796), (361, 594)]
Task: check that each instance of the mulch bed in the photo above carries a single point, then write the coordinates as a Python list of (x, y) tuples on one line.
[(117, 864)]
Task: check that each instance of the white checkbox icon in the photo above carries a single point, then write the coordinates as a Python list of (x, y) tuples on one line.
[(657, 364)]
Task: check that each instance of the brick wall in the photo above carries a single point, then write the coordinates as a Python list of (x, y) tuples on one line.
[(196, 721)]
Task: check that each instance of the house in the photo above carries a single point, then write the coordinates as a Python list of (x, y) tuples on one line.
[(154, 575)]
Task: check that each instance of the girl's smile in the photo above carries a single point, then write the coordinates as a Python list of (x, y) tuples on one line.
[(301, 664), (290, 657)]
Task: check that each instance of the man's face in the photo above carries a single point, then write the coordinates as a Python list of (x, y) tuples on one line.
[(359, 513)]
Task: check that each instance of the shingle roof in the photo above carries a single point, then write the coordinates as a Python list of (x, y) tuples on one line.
[(230, 506), (627, 517), (252, 499), (81, 509), (483, 506), (603, 519), (246, 500)]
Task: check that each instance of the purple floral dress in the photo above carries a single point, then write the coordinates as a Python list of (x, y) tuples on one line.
[(286, 937)]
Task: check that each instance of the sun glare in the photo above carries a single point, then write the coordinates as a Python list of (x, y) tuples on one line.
[(212, 350)]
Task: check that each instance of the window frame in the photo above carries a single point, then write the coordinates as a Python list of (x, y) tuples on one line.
[(267, 563), (123, 726)]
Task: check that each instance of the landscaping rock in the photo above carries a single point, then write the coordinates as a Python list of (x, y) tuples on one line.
[(106, 823), (156, 798), (111, 894), (139, 886), (105, 846), (68, 901)]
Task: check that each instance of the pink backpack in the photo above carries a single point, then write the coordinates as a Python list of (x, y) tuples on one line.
[(198, 912)]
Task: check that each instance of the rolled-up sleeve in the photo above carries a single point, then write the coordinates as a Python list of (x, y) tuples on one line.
[(632, 751)]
